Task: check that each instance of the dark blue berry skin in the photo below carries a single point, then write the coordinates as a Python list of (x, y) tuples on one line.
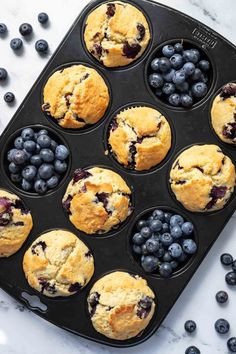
[(156, 80), (19, 157), (46, 155), (234, 265), (166, 239), (226, 259), (3, 74), (190, 326), (61, 152), (18, 143), (42, 132), (155, 64), (192, 350), (138, 239), (15, 177), (176, 220), (11, 154), (52, 182), (158, 214), (184, 87), (28, 154), (175, 250), (167, 217), (9, 97), (178, 47), (196, 75), (190, 56), (152, 245), (158, 92), (174, 99), (176, 232), (43, 17), (41, 46), (176, 61), (230, 278), (186, 100), (40, 186), (174, 264), (231, 344), (179, 77), (167, 257), (53, 145), (168, 77), (29, 173), (146, 232), (45, 171), (3, 28), (25, 29), (137, 249), (222, 297), (16, 43), (182, 258), (144, 250), (29, 145), (140, 224), (26, 185), (36, 160), (156, 225), (196, 52), (165, 270), (189, 246), (149, 264), (165, 65), (188, 68), (160, 252), (60, 166), (13, 168), (187, 228), (168, 88), (27, 134), (165, 227), (199, 89), (204, 65), (44, 141), (222, 326), (168, 51)]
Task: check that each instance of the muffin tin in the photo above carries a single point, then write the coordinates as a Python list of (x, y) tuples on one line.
[(128, 86)]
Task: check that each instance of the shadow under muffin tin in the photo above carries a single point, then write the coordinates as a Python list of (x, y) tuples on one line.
[(128, 86)]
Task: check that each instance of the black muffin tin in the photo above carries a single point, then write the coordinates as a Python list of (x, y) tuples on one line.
[(128, 86)]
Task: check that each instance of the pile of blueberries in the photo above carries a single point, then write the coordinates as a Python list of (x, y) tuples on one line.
[(25, 30), (180, 76), (37, 162), (163, 242)]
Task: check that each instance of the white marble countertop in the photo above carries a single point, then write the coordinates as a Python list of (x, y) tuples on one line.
[(21, 332)]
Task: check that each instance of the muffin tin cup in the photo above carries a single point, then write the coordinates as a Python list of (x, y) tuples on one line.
[(128, 87)]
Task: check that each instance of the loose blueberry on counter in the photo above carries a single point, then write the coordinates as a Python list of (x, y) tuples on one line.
[(3, 74), (222, 297), (41, 46), (43, 17), (222, 326), (25, 29), (231, 344), (226, 259), (192, 350), (234, 265), (9, 97), (190, 326), (16, 43), (230, 278), (3, 28)]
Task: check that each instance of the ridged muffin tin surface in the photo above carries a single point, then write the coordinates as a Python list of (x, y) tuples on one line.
[(128, 87)]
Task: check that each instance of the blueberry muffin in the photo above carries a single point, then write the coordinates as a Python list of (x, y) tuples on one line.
[(202, 178), (223, 114), (75, 97), (58, 264), (121, 305), (15, 223), (139, 137), (97, 200), (116, 33)]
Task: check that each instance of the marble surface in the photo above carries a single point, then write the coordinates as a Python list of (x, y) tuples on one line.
[(21, 332)]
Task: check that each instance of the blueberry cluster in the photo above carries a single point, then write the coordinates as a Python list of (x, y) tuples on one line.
[(180, 76), (228, 261), (37, 162), (163, 242)]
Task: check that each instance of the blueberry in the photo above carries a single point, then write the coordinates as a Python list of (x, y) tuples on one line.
[(52, 182), (231, 278), (41, 46), (204, 65), (156, 225), (226, 259), (179, 77), (176, 61), (167, 257), (165, 227), (3, 28), (137, 249), (165, 270), (138, 239), (13, 168), (44, 141), (46, 155), (199, 89), (168, 88), (149, 220), (11, 154), (37, 149), (168, 77), (27, 134), (140, 224), (167, 217), (25, 29), (174, 264), (26, 185), (221, 297), (156, 80), (16, 43), (165, 65), (18, 143), (19, 157), (174, 99), (188, 68), (144, 250), (176, 232), (182, 258), (166, 239), (60, 166), (168, 51), (190, 326), (146, 232), (43, 17), (61, 152), (184, 87), (9, 97), (158, 92), (155, 64), (189, 246), (222, 326), (36, 160), (190, 56), (196, 52), (234, 265), (158, 214), (187, 228), (42, 132), (45, 171), (149, 264), (29, 145), (178, 47), (204, 78), (186, 100), (175, 250), (176, 220), (231, 344), (192, 350), (196, 75), (40, 186), (29, 172), (3, 74), (53, 145), (15, 177), (160, 252)]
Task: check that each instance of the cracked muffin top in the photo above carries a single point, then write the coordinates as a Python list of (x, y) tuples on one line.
[(223, 114), (121, 305), (116, 33), (15, 223), (97, 200), (75, 97), (202, 178), (139, 137), (58, 264)]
